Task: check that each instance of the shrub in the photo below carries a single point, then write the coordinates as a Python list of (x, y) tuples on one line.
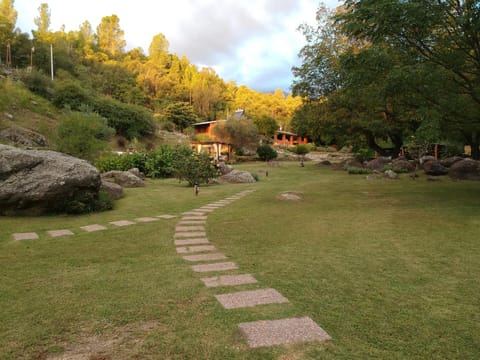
[(72, 95), (266, 153), (38, 83), (301, 149), (193, 167), (85, 203), (398, 170), (83, 135), (122, 162), (364, 154), (128, 120), (159, 163)]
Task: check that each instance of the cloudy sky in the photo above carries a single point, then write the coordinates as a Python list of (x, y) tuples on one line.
[(252, 42)]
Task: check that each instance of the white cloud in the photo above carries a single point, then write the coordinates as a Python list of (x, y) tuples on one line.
[(253, 42)]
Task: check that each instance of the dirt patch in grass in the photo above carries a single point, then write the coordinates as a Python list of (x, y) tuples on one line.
[(123, 342)]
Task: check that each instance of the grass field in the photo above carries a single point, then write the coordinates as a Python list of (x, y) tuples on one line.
[(390, 269)]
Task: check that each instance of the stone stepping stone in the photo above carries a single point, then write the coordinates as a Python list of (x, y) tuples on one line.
[(146, 219), (284, 331), (195, 249), (166, 216), (25, 236), (194, 218), (207, 210), (122, 223), (215, 267), (251, 298), (195, 241), (192, 222), (191, 234), (58, 233), (205, 257), (194, 213), (190, 228), (229, 280), (94, 227)]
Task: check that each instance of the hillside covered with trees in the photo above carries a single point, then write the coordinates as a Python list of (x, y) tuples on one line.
[(135, 93)]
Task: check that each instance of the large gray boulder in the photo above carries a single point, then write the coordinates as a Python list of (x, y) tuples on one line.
[(125, 179), (35, 182), (378, 163), (237, 177), (465, 170), (434, 168)]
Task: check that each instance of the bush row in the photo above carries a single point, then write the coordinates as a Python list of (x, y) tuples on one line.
[(180, 162)]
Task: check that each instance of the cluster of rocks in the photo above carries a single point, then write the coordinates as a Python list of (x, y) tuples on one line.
[(36, 182), (457, 168), (114, 181)]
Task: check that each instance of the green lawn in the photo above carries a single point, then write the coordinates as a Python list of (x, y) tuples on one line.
[(390, 269)]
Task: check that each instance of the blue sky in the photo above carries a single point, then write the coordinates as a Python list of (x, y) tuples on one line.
[(252, 42)]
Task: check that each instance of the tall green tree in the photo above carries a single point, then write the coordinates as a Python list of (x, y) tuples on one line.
[(110, 36), (43, 21), (441, 33), (8, 19)]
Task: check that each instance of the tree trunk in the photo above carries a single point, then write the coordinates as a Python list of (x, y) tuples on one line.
[(475, 143), (373, 144)]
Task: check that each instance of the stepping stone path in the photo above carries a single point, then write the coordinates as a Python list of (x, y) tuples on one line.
[(189, 231), (96, 227)]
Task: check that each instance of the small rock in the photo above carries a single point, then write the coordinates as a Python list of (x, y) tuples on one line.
[(390, 174)]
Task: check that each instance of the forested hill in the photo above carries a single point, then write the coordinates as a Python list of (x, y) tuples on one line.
[(92, 69)]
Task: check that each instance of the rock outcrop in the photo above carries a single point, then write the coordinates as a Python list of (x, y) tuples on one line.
[(35, 182), (19, 136)]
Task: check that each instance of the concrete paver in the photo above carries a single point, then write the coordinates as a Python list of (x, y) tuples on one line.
[(285, 331), (94, 227), (229, 280), (58, 233), (251, 298), (25, 236), (215, 267), (193, 241), (195, 249), (122, 223), (205, 257)]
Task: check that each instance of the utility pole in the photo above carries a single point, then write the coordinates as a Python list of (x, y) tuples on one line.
[(51, 60)]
